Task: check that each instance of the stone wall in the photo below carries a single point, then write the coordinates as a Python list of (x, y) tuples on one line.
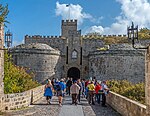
[(43, 62), (118, 64), (125, 106), (20, 100), (147, 81), (56, 42)]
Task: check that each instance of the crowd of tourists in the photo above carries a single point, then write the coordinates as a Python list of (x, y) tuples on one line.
[(91, 89)]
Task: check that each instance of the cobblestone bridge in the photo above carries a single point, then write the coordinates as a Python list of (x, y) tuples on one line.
[(40, 108)]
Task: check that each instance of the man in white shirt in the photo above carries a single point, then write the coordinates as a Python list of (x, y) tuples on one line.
[(105, 92)]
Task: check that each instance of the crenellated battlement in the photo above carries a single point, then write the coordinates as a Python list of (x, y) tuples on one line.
[(101, 36), (69, 22), (42, 37)]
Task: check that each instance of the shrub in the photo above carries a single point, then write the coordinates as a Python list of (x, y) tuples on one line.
[(133, 91), (15, 78)]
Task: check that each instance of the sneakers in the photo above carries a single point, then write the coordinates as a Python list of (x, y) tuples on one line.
[(48, 102), (104, 106), (93, 103)]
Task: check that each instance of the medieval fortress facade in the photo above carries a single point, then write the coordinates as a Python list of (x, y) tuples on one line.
[(77, 56)]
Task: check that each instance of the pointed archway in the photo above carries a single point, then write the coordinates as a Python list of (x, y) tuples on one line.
[(74, 73)]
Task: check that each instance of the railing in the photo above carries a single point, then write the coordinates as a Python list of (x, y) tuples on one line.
[(20, 100), (125, 106)]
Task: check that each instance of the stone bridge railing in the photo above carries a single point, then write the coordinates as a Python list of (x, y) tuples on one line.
[(20, 100), (125, 106)]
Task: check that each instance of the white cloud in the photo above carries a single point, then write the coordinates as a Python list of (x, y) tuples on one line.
[(72, 12), (98, 29), (131, 10), (136, 11), (97, 20)]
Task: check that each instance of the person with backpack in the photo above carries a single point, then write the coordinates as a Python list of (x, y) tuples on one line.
[(60, 87), (55, 86)]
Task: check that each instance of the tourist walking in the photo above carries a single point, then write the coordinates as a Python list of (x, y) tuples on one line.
[(80, 90), (91, 90), (60, 87), (83, 87), (74, 90), (97, 92), (48, 91), (68, 85), (105, 92), (63, 86), (56, 82)]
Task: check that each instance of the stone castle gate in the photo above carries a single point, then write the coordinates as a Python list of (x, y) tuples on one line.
[(82, 57), (74, 73)]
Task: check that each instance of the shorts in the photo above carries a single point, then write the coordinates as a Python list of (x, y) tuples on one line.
[(60, 93), (48, 97)]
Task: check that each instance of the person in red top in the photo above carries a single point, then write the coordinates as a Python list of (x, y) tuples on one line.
[(97, 89), (87, 82)]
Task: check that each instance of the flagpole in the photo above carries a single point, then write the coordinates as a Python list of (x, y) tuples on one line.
[(68, 5), (69, 11)]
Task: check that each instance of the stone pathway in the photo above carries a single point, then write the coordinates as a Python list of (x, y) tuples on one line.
[(40, 108), (70, 110)]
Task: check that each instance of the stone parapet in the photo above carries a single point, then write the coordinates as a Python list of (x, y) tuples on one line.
[(69, 22), (20, 100), (125, 106), (118, 52), (42, 37), (35, 51), (101, 36)]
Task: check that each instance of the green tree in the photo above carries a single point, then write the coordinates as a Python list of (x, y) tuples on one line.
[(15, 78), (3, 13)]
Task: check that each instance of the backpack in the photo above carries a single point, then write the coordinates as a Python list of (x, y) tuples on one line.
[(58, 87)]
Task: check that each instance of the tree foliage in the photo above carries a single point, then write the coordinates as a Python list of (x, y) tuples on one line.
[(3, 13), (15, 78), (144, 33), (132, 91)]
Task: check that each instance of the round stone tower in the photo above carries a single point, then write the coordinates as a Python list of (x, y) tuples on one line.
[(39, 58)]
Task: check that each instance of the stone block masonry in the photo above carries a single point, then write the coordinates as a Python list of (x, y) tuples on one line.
[(118, 64), (147, 82), (40, 58), (20, 100), (125, 106)]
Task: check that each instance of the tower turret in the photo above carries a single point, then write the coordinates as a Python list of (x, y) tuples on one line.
[(68, 26)]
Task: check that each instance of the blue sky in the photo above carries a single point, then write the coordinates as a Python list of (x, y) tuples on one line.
[(43, 17)]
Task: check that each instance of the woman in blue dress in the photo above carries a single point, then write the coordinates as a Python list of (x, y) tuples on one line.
[(48, 91)]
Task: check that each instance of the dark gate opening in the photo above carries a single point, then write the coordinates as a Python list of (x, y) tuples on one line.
[(74, 73)]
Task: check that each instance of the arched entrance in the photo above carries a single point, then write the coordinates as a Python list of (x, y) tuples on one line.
[(74, 73)]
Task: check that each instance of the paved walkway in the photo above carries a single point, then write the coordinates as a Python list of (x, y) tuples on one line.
[(70, 110), (40, 108)]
